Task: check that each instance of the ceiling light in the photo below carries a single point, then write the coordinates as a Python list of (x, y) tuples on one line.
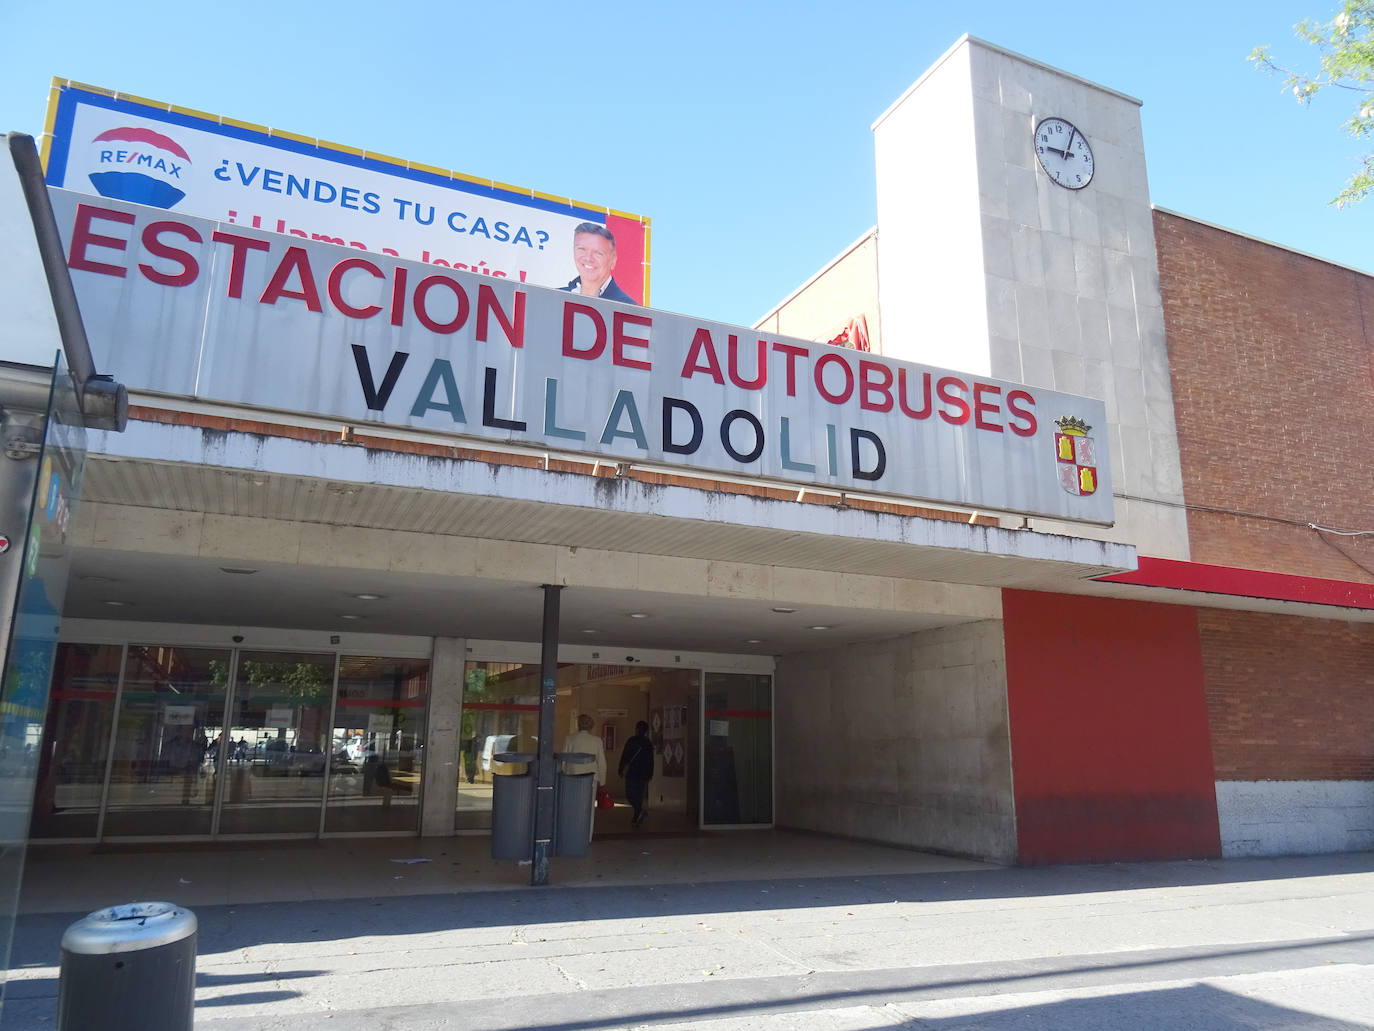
[(754, 640), (589, 631), (350, 616), (237, 570), (818, 628), (93, 579), (117, 604), (369, 597), (783, 609), (638, 615)]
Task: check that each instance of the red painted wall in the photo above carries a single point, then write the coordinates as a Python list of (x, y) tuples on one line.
[(1111, 758)]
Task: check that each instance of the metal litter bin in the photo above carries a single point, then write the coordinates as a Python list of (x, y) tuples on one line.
[(574, 794), (512, 809), (129, 968)]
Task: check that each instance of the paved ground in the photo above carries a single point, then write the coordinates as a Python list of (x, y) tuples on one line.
[(763, 932)]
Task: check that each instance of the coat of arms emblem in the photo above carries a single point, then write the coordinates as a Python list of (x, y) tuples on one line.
[(1077, 456)]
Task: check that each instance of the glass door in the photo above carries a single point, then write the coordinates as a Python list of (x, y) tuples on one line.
[(737, 768), (274, 755), (162, 773)]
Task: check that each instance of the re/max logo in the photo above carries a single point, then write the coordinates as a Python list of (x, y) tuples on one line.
[(141, 160)]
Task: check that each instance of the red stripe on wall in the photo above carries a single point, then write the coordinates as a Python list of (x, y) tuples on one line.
[(744, 714), (1246, 583), (1111, 753)]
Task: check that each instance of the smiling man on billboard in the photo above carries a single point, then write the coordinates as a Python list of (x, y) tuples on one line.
[(594, 259)]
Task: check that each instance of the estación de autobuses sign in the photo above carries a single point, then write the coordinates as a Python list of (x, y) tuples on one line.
[(194, 308)]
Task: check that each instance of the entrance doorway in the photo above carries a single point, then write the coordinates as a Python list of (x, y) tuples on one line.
[(723, 778)]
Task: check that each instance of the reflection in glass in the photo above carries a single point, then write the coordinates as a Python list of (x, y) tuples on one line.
[(76, 741), (500, 714), (278, 718), (171, 708), (738, 764), (376, 750)]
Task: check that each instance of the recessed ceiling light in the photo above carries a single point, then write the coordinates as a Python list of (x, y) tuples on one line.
[(818, 628), (589, 631), (638, 615), (783, 609), (754, 640), (117, 604), (237, 570), (93, 579), (369, 597), (349, 616)]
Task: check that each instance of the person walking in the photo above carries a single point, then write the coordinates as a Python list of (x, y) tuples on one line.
[(584, 741), (637, 767)]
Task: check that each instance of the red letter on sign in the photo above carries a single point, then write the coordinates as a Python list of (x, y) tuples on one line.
[(1028, 428), (82, 237), (875, 386), (621, 340), (295, 260), (487, 305), (190, 268), (960, 413), (570, 350), (242, 245), (703, 347), (980, 407), (335, 287)]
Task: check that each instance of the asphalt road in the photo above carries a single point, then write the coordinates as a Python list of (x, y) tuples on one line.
[(1243, 944)]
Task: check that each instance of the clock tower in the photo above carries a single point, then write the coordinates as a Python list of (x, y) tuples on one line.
[(1016, 240)]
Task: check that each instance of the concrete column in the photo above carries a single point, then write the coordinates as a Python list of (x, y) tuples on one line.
[(442, 757)]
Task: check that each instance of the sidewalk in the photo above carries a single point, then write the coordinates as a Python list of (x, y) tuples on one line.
[(739, 932)]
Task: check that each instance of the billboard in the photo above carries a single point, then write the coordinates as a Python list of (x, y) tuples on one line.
[(190, 308), (128, 148)]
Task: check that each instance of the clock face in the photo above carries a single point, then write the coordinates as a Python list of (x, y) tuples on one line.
[(1064, 154)]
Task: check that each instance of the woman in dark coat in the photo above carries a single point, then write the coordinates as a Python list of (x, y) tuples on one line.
[(637, 767)]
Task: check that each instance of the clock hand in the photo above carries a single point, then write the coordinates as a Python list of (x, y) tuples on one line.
[(1068, 147)]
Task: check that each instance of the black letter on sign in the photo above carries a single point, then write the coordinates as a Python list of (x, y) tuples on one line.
[(489, 407), (728, 421), (859, 472), (376, 399), (676, 403)]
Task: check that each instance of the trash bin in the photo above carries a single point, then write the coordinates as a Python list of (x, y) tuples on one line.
[(129, 968), (573, 799), (512, 809)]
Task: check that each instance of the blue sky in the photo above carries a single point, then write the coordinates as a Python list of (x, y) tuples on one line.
[(741, 129)]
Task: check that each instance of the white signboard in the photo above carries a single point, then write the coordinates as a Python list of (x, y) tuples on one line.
[(196, 309), (279, 718), (128, 148), (178, 715)]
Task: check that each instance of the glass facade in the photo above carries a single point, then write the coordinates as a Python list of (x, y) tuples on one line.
[(155, 741), (170, 741)]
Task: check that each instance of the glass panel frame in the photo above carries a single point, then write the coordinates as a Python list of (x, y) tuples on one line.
[(377, 743), (170, 700), (284, 701), (737, 774)]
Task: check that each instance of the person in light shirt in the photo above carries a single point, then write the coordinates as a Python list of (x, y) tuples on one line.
[(583, 740), (594, 259)]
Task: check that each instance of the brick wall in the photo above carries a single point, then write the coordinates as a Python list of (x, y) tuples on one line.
[(1288, 698), (1272, 363)]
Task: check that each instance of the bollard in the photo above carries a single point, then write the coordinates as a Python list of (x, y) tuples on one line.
[(129, 968)]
